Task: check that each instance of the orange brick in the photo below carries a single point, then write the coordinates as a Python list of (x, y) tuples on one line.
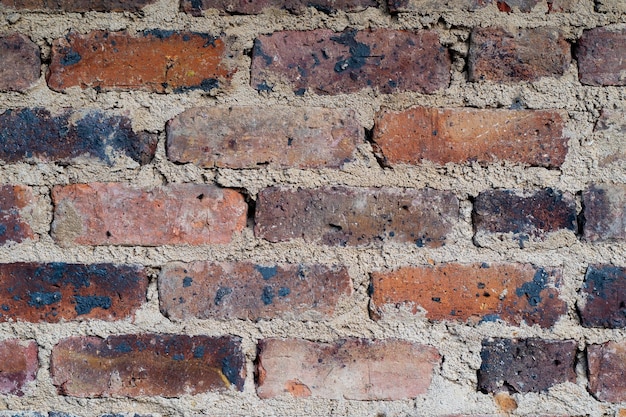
[(13, 227)]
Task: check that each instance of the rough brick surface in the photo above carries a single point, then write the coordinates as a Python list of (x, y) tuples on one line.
[(13, 201), (326, 62), (462, 135), (396, 6), (604, 292), (499, 55), (18, 365), (352, 369), (117, 214), (58, 291), (247, 137), (138, 365), (600, 55), (356, 216), (78, 5), (607, 367), (610, 130), (514, 293), (20, 64), (155, 60), (196, 7), (36, 135), (249, 291), (526, 365), (605, 212)]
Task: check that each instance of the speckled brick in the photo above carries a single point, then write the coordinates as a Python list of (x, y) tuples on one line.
[(78, 5), (249, 137), (600, 54), (527, 137), (18, 365), (604, 297), (352, 369), (195, 7), (605, 212), (396, 6), (147, 365), (250, 291), (326, 62), (609, 131), (513, 293), (607, 367), (356, 216), (20, 64), (15, 200)]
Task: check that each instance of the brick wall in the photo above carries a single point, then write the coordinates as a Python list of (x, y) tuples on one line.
[(349, 207)]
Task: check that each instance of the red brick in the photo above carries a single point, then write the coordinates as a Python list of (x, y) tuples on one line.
[(605, 212), (78, 5), (34, 135), (528, 137), (326, 62), (247, 137), (356, 216), (525, 365), (155, 60), (396, 6), (14, 200), (148, 364), (247, 291), (38, 292), (20, 64), (604, 293), (600, 53), (514, 293), (500, 55), (607, 367), (118, 214), (18, 365), (196, 7), (353, 369)]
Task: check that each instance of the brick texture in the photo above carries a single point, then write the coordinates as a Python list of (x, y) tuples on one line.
[(196, 7), (325, 62), (525, 365), (58, 291), (20, 64), (356, 216), (500, 55), (553, 6), (527, 137), (34, 135), (249, 291), (154, 60), (616, 6), (513, 293), (108, 214), (78, 5), (600, 54), (18, 365), (610, 130), (607, 367), (139, 365), (14, 201), (605, 212), (248, 137), (604, 294), (352, 369)]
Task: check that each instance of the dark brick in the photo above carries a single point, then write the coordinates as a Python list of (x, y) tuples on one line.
[(18, 365), (604, 294), (20, 64), (144, 365), (247, 291), (52, 292), (605, 212), (78, 5), (607, 367), (332, 63), (35, 135), (600, 53), (13, 201), (356, 216), (526, 365), (500, 55), (195, 7), (396, 6)]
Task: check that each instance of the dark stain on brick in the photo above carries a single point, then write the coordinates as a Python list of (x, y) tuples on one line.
[(268, 295), (198, 352), (84, 304), (257, 50), (123, 347), (283, 291), (605, 291), (532, 290), (267, 272), (221, 293), (159, 33), (358, 52), (604, 212), (187, 281), (79, 5), (40, 299), (207, 84), (70, 58)]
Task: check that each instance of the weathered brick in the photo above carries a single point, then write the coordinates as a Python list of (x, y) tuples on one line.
[(20, 64), (13, 201), (52, 292), (526, 365), (600, 53), (605, 212), (514, 293), (78, 5), (356, 216), (332, 63), (607, 367), (352, 369), (617, 6), (396, 6), (499, 55), (534, 214), (155, 60), (247, 137), (604, 292), (147, 364), (609, 132), (247, 291), (462, 135), (18, 365), (196, 7), (118, 214), (36, 135)]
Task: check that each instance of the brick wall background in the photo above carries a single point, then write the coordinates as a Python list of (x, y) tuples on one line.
[(313, 207)]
